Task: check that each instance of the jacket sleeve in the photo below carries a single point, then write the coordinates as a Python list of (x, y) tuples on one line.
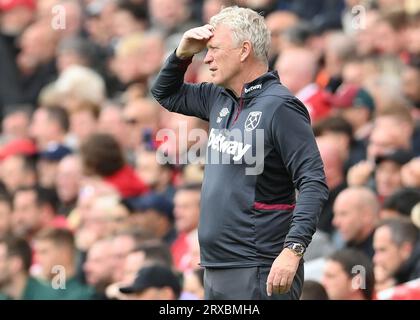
[(294, 140), (173, 94)]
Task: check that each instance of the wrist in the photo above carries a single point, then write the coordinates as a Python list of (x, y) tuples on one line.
[(182, 55), (296, 248)]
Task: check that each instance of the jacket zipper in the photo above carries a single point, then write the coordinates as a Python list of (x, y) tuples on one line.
[(241, 103)]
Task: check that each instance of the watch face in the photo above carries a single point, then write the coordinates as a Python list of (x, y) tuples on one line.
[(297, 247)]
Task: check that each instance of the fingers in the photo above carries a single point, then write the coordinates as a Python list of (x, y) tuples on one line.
[(200, 33), (276, 282), (270, 284), (286, 284), (209, 27)]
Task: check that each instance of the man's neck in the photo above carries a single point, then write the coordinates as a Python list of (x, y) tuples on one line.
[(246, 76), (17, 286)]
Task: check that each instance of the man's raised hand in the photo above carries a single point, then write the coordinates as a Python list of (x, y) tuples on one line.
[(193, 41)]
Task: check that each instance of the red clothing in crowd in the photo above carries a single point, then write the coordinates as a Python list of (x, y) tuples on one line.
[(316, 100), (178, 249), (127, 182)]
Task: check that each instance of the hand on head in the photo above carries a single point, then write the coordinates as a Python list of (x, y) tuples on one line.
[(194, 41)]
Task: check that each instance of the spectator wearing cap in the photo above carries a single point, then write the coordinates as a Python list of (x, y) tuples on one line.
[(356, 106), (388, 172), (154, 213), (297, 68), (18, 171), (397, 252), (356, 212), (49, 125), (47, 164), (102, 156), (400, 203), (154, 283), (348, 275)]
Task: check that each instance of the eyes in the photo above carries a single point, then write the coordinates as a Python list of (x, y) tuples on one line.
[(212, 48)]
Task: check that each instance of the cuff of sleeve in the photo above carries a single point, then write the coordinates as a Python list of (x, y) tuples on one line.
[(290, 240), (178, 60)]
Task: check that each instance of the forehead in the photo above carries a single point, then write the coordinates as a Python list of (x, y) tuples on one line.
[(334, 267), (25, 194), (382, 235), (344, 198), (221, 34)]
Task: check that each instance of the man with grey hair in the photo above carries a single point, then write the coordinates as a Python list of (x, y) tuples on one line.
[(397, 252), (252, 231)]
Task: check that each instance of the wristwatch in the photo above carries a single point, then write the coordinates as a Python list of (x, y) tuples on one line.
[(297, 248)]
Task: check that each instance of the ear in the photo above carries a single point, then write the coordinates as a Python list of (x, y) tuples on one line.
[(245, 50), (406, 249)]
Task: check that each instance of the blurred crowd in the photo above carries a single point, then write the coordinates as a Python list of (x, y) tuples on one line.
[(90, 206)]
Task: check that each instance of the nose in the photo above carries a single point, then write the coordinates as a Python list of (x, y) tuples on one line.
[(208, 58), (376, 258), (335, 221)]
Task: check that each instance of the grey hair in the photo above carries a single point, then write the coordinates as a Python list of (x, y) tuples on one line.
[(402, 230), (246, 24)]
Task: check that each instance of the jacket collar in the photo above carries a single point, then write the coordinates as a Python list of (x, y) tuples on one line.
[(257, 86)]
